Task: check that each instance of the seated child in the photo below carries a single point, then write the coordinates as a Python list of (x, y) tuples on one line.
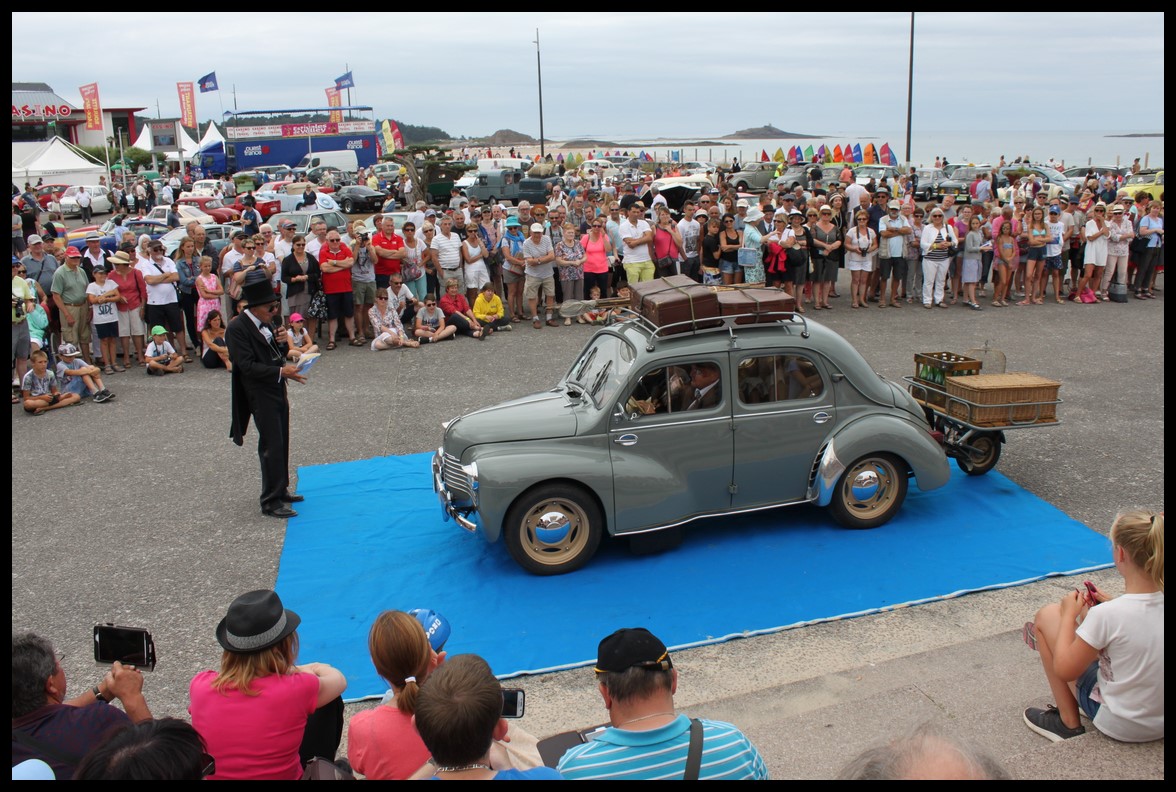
[(77, 376), (596, 315), (39, 391), (488, 309), (298, 338), (161, 355)]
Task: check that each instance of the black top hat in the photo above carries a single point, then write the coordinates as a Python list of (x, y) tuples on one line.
[(259, 292), (256, 620)]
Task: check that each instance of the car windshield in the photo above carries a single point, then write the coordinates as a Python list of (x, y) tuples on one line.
[(71, 192), (601, 369), (1135, 178), (1052, 174), (213, 205), (871, 172)]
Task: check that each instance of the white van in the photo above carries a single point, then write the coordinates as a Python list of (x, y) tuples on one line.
[(487, 164), (343, 160)]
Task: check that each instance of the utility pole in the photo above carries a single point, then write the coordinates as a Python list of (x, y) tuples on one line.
[(910, 88), (539, 70)]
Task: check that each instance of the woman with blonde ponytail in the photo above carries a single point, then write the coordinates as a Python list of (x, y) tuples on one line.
[(1104, 656)]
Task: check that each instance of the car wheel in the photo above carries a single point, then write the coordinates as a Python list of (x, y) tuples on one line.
[(553, 529), (346, 205), (870, 492), (984, 457), (741, 186)]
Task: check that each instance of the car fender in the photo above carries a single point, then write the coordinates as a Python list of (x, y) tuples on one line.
[(891, 434), (507, 470)]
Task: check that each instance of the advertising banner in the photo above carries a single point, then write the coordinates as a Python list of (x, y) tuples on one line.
[(187, 93), (92, 107)]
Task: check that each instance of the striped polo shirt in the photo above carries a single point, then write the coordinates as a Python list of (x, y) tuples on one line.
[(660, 754)]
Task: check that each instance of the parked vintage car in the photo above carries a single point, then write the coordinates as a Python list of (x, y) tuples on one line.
[(266, 208), (1148, 181), (49, 193), (358, 198), (187, 214), (623, 445), (928, 181), (289, 196), (214, 207), (202, 187), (799, 174), (303, 220), (100, 201), (960, 182), (219, 235), (753, 176), (862, 174)]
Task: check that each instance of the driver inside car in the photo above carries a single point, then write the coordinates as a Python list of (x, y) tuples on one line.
[(659, 391)]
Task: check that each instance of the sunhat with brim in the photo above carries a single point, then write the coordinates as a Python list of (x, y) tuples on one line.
[(513, 222), (255, 621), (754, 216)]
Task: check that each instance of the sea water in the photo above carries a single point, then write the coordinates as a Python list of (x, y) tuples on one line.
[(1071, 147)]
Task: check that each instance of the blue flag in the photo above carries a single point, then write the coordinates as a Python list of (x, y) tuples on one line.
[(344, 82), (208, 83)]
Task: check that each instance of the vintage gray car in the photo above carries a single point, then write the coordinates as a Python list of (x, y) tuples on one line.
[(648, 431)]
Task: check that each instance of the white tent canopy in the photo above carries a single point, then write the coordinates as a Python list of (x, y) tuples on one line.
[(188, 145), (211, 137), (54, 161)]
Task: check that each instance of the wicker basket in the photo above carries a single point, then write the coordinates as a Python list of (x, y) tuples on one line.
[(934, 368), (1015, 387)]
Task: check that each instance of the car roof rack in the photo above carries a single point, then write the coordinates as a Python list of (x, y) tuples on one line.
[(727, 324)]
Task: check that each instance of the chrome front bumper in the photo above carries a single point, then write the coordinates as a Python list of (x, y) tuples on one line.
[(456, 486)]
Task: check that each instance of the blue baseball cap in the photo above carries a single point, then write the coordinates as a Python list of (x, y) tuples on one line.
[(436, 626)]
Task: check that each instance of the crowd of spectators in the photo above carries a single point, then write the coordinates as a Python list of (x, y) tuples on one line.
[(469, 270)]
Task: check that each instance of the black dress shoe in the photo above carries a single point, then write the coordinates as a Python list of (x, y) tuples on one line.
[(293, 497), (281, 512)]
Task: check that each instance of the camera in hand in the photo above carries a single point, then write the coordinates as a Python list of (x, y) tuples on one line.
[(128, 645)]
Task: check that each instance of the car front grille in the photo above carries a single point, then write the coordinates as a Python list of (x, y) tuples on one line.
[(456, 480)]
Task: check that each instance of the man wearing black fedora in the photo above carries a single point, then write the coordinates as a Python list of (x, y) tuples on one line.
[(259, 376)]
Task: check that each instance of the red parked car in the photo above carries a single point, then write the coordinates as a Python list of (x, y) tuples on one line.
[(214, 207), (47, 193), (265, 208)]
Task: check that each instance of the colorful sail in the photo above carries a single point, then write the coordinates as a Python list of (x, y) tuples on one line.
[(857, 152), (828, 155), (821, 152), (884, 154), (808, 154), (793, 153), (764, 156), (779, 156), (837, 155), (868, 154)]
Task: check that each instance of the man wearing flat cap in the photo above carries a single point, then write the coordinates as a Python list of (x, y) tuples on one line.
[(648, 739), (259, 376)]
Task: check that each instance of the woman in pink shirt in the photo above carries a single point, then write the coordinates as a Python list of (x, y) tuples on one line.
[(261, 716), (382, 743)]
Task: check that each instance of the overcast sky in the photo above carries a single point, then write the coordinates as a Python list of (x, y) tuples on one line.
[(616, 75)]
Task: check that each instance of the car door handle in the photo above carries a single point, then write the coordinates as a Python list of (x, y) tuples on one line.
[(821, 417), (626, 439)]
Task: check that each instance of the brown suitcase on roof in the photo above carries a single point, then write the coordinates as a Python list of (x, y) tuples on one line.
[(676, 300), (767, 305)]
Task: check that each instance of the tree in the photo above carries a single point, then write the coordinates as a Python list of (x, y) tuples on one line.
[(427, 165)]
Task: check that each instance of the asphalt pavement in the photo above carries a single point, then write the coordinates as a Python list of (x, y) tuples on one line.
[(142, 512)]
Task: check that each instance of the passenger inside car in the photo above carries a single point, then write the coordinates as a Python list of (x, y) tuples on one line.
[(659, 391)]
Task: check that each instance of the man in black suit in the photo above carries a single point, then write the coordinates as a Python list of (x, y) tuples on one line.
[(259, 375)]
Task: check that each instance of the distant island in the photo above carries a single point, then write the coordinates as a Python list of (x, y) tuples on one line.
[(767, 131), (507, 137), (1139, 134), (582, 144)]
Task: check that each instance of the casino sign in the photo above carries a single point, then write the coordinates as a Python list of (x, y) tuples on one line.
[(31, 111)]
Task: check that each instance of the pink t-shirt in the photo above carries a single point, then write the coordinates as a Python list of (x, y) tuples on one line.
[(254, 737), (383, 744), (597, 261)]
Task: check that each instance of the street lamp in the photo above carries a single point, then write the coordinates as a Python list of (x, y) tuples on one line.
[(539, 71)]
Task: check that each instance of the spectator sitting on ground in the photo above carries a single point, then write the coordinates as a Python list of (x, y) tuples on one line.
[(78, 376), (160, 355), (648, 739), (459, 716), (488, 309), (47, 726), (382, 743), (39, 390), (923, 756), (458, 312), (430, 324), (167, 749), (387, 329), (216, 350), (298, 338), (264, 716)]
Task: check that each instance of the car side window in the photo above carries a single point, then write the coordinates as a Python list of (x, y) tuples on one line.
[(676, 389), (777, 378)]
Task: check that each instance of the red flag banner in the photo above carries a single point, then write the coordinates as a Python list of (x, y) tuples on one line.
[(397, 136), (92, 107), (187, 93), (334, 99)]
